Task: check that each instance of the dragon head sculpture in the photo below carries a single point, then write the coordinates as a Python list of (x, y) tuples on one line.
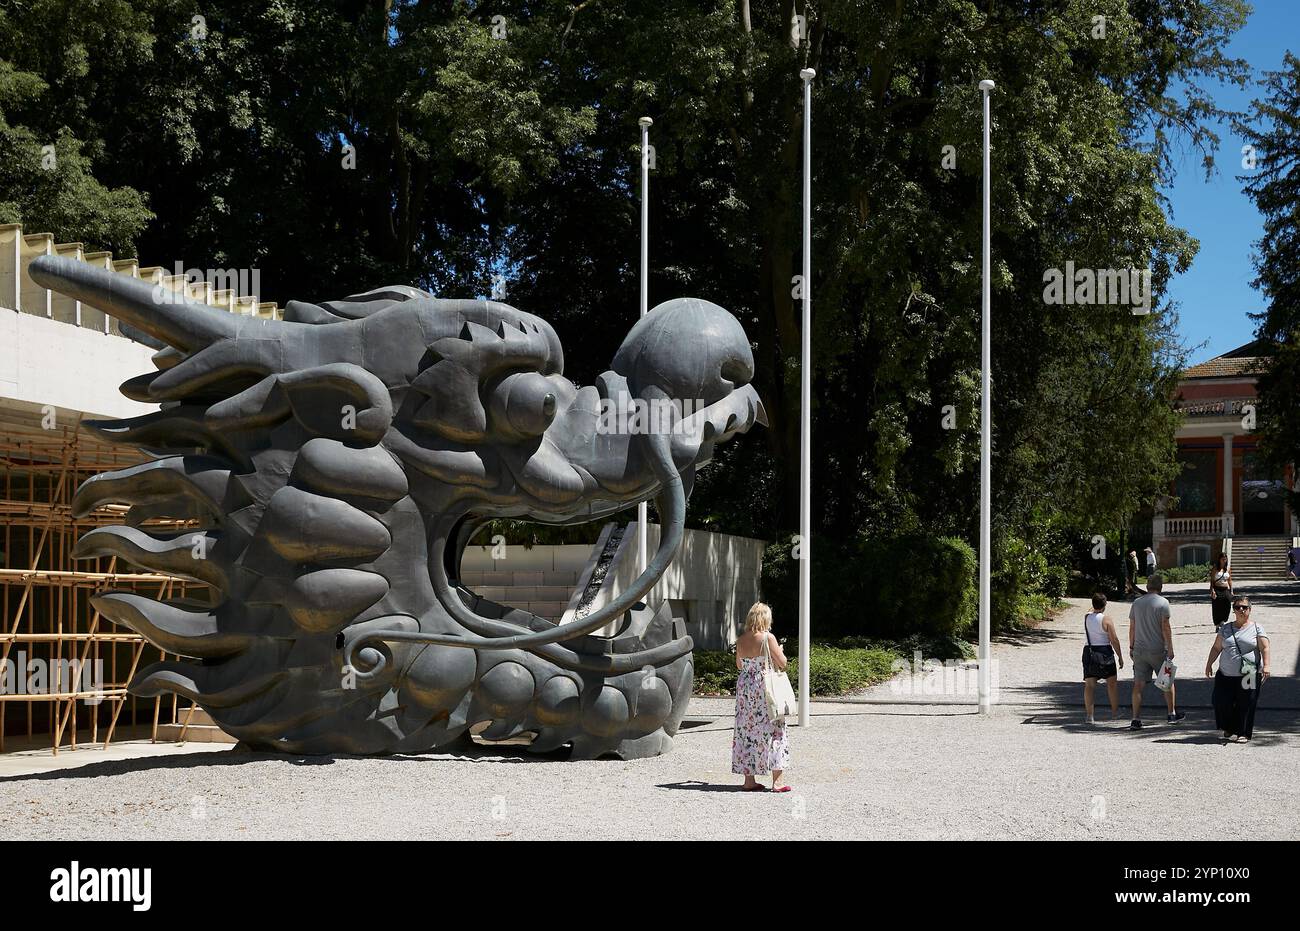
[(332, 467)]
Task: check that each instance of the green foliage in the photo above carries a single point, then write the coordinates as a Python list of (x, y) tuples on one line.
[(478, 154), (1274, 132), (834, 669), (46, 179), (890, 587), (1030, 575), (715, 671), (1183, 574)]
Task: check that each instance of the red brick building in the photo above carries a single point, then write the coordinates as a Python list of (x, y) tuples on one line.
[(1225, 498)]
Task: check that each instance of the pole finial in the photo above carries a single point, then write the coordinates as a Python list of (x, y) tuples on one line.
[(986, 85), (645, 121), (808, 74)]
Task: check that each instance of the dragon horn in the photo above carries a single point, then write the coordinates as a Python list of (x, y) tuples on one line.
[(160, 312)]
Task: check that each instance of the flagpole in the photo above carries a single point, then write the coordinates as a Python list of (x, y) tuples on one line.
[(986, 438), (642, 510), (805, 412)]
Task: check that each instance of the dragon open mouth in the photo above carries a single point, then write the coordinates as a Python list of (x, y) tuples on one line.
[(332, 466)]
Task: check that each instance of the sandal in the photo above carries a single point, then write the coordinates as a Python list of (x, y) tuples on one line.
[(785, 788), (756, 787)]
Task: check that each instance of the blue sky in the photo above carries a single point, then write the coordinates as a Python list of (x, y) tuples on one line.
[(1215, 295)]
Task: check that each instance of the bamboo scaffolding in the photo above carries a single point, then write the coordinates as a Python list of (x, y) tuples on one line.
[(46, 611)]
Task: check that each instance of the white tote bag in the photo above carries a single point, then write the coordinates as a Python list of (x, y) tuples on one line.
[(776, 688), (1165, 680)]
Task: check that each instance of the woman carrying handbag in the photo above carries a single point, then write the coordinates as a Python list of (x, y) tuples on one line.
[(1101, 652), (1241, 648), (759, 744)]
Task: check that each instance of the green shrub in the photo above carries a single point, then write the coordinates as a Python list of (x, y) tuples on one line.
[(890, 588), (1176, 574), (715, 671), (1029, 576), (833, 669)]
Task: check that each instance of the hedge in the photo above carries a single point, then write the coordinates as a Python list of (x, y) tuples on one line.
[(833, 670), (886, 588)]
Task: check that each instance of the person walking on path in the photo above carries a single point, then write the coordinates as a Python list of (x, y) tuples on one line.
[(1221, 591), (1241, 647), (1131, 573), (1100, 652), (1151, 564), (758, 744), (1150, 643)]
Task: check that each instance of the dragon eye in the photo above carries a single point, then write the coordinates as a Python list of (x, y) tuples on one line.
[(523, 404)]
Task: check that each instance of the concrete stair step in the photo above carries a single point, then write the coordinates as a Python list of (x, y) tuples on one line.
[(197, 716), (515, 594), (551, 610), (198, 733), (478, 578)]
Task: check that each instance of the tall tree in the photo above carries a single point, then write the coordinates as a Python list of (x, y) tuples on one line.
[(50, 161), (337, 145), (1274, 185)]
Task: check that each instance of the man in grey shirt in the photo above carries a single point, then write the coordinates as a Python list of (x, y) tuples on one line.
[(1150, 641)]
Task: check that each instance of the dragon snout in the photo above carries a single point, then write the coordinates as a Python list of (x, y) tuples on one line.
[(686, 349)]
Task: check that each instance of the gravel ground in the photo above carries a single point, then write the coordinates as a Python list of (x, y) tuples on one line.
[(873, 767)]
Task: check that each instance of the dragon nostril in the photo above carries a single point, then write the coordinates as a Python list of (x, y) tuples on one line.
[(523, 404), (737, 371)]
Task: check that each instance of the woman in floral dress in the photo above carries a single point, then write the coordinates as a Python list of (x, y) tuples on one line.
[(759, 744)]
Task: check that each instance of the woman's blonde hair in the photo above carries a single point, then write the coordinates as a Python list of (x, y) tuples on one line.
[(759, 619)]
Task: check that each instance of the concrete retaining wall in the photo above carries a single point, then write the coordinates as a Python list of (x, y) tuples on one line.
[(710, 585)]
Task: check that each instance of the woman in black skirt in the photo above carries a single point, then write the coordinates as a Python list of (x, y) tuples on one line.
[(1241, 648), (1102, 658), (1221, 591)]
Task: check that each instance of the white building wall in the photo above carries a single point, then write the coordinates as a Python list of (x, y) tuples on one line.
[(47, 362)]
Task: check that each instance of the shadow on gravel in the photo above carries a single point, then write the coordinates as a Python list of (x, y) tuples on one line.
[(1272, 726), (1028, 636), (694, 785), (461, 753), (1280, 693), (1204, 737), (144, 764), (1274, 594)]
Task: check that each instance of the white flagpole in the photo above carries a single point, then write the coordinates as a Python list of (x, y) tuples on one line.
[(805, 412), (986, 439), (642, 510)]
